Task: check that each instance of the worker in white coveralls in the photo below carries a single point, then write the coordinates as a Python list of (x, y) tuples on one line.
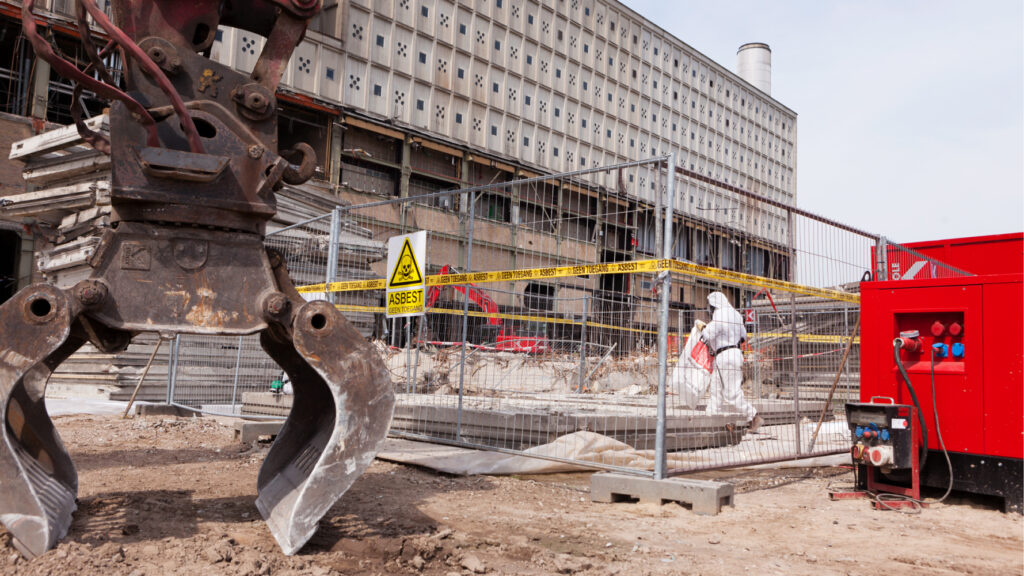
[(723, 336), (723, 371)]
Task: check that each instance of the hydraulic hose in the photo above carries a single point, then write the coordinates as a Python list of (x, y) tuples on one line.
[(896, 345)]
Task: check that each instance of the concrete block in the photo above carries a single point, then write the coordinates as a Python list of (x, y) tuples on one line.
[(251, 431), (163, 410), (705, 497)]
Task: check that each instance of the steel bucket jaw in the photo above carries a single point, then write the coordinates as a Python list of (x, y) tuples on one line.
[(38, 482), (340, 414)]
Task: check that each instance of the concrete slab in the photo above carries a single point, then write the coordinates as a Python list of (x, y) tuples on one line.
[(93, 406), (251, 431), (705, 497), (163, 410)]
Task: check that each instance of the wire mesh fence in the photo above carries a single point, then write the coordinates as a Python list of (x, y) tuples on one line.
[(568, 318)]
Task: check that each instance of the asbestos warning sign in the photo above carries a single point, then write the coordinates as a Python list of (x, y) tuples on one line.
[(406, 271), (406, 274)]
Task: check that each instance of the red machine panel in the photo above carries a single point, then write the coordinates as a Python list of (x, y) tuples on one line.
[(979, 383), (1004, 367), (995, 254)]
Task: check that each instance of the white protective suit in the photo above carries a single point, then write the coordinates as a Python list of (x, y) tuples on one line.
[(726, 329)]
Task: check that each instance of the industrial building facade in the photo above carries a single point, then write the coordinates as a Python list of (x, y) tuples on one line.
[(408, 97)]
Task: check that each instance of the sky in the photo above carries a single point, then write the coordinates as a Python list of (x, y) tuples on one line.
[(910, 115)]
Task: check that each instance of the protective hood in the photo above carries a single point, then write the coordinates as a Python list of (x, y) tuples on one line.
[(726, 326), (719, 301)]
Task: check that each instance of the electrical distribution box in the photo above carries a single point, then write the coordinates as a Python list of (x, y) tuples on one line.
[(883, 434)]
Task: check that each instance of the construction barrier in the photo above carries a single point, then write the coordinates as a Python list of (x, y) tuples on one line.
[(535, 346)]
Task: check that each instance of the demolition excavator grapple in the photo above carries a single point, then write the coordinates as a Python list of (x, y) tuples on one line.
[(195, 163)]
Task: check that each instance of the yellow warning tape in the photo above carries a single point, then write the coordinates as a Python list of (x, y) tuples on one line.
[(478, 314), (809, 338), (633, 267)]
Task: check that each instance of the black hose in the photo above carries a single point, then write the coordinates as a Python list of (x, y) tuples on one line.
[(938, 432), (896, 345)]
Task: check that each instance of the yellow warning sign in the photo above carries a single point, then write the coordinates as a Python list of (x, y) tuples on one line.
[(406, 280), (405, 302), (406, 272)]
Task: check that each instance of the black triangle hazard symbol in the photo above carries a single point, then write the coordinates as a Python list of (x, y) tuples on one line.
[(407, 271)]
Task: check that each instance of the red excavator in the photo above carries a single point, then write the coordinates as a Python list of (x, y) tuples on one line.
[(533, 337)]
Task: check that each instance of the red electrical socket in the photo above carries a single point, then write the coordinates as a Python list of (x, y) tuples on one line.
[(955, 329), (938, 328)]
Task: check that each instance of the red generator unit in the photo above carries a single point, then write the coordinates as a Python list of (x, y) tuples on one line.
[(967, 336)]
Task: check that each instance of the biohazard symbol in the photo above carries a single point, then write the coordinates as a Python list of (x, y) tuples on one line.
[(209, 80), (407, 271)]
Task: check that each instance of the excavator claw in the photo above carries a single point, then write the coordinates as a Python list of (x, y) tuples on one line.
[(38, 482), (184, 255), (340, 413)]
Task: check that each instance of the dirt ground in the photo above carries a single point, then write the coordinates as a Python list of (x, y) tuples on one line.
[(175, 496)]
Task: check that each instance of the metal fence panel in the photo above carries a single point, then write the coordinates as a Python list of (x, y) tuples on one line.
[(588, 366)]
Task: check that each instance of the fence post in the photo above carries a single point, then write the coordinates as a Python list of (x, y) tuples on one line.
[(238, 366), (660, 456), (792, 331), (419, 338), (172, 374), (881, 259), (408, 355), (332, 253), (583, 346), (465, 315), (846, 330)]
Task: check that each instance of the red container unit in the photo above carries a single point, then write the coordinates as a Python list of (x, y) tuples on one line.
[(995, 254), (974, 328)]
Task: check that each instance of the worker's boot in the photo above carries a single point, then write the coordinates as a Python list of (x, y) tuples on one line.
[(755, 423)]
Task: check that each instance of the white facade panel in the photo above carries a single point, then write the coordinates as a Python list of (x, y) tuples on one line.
[(384, 7), (381, 47), (444, 30), (464, 29), (425, 64), (303, 67), (404, 12), (497, 42), (377, 93), (443, 67), (462, 81), (495, 131), (441, 113), (400, 95), (481, 39), (360, 33), (402, 50), (479, 129), (421, 106), (527, 143), (544, 66), (330, 86), (482, 87), (426, 17), (459, 119), (356, 89)]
